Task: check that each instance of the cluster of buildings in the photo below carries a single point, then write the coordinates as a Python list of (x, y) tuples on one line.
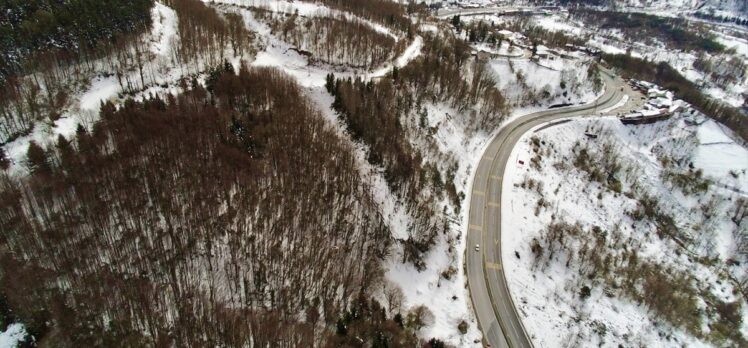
[(659, 106)]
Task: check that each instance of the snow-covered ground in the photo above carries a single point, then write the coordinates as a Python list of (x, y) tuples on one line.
[(447, 296), (448, 299), (559, 23), (504, 50), (164, 30), (739, 45), (12, 336), (718, 155), (549, 299), (551, 81), (306, 9), (548, 295)]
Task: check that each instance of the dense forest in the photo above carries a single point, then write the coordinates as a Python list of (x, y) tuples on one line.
[(387, 12), (205, 39), (172, 214), (29, 27), (676, 33), (229, 213), (333, 40), (47, 46)]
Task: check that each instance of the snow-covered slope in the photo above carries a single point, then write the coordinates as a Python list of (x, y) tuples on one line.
[(550, 81), (720, 75), (734, 7), (598, 282)]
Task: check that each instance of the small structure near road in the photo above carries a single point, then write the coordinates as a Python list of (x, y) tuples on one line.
[(591, 135), (639, 118)]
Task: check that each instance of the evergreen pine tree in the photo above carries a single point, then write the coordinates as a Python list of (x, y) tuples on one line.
[(4, 160), (37, 159)]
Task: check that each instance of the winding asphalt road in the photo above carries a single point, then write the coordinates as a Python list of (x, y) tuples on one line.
[(492, 302)]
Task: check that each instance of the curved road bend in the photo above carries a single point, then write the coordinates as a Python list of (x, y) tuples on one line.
[(493, 304)]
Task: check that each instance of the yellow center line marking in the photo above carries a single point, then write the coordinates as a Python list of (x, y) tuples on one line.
[(476, 227), (496, 241), (491, 265), (495, 177), (494, 204), (479, 193)]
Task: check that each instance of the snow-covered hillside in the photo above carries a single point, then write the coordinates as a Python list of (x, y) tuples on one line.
[(552, 81), (629, 235), (161, 68), (722, 75), (731, 7), (690, 168)]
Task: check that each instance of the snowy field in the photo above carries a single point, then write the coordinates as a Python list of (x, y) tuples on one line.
[(718, 155), (559, 23), (548, 295)]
